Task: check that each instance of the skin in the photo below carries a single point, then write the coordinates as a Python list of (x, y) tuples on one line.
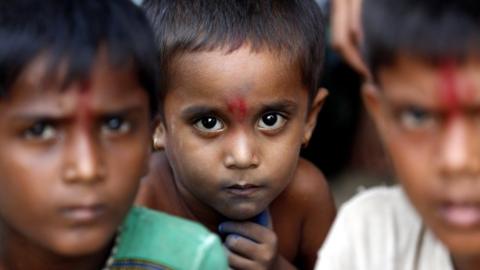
[(428, 116), (231, 169), (346, 33), (65, 186), (238, 108)]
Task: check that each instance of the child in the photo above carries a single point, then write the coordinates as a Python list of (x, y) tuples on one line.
[(425, 101), (241, 97), (77, 86)]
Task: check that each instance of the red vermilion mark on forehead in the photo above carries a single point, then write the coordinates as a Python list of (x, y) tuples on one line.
[(450, 92), (85, 86), (84, 114), (238, 107)]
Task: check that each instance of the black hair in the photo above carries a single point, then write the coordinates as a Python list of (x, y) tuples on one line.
[(74, 31), (294, 28), (435, 30)]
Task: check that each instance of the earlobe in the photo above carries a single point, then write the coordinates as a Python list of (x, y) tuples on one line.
[(312, 115), (159, 137)]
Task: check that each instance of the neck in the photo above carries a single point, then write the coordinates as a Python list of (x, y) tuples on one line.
[(195, 209), (466, 263), (19, 253)]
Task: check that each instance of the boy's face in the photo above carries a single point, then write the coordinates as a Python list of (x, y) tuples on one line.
[(233, 127), (429, 118), (71, 159)]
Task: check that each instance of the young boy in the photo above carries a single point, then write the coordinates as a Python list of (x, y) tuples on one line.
[(425, 101), (77, 89), (241, 98)]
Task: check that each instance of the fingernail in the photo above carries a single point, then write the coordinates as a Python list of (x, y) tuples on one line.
[(231, 239)]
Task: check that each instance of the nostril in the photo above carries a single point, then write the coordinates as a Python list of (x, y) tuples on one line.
[(241, 161)]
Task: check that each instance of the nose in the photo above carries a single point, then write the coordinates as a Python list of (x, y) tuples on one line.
[(83, 163), (242, 152), (459, 149)]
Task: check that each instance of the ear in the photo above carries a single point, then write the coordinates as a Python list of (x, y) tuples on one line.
[(312, 115), (159, 136), (371, 99)]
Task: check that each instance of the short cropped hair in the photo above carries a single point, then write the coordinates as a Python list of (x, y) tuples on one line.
[(435, 30), (294, 28), (73, 31)]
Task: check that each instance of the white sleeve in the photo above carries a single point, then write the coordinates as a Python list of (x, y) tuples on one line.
[(337, 251), (364, 234)]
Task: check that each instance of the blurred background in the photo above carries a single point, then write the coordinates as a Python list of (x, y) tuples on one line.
[(345, 144)]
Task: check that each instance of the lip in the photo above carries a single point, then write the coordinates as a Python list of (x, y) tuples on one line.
[(83, 214), (243, 190), (463, 215)]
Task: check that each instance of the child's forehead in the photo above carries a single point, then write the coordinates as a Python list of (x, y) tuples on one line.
[(40, 86), (419, 78), (43, 74), (242, 70)]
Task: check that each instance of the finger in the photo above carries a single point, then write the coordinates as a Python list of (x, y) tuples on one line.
[(241, 246), (339, 23), (356, 21), (238, 262), (352, 56), (249, 230), (264, 219)]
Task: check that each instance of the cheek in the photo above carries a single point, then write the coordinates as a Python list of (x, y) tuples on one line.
[(26, 202), (27, 178), (127, 164), (281, 169), (193, 161), (413, 166), (188, 153)]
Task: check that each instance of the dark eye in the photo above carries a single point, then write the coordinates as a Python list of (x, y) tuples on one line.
[(40, 131), (416, 118), (116, 124), (209, 124), (271, 121)]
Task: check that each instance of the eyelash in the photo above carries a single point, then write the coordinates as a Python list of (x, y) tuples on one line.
[(203, 121), (278, 117), (44, 130), (416, 118), (216, 122), (122, 125), (40, 131)]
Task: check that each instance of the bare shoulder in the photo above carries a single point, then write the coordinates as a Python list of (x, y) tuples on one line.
[(308, 187), (306, 201), (308, 196)]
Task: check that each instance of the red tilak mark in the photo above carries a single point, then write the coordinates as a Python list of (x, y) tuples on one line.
[(450, 95), (238, 107), (85, 86), (84, 114)]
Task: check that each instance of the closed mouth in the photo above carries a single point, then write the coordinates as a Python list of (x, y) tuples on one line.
[(243, 189), (464, 215), (83, 214)]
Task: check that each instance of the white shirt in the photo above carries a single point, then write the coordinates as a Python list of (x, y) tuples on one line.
[(379, 229)]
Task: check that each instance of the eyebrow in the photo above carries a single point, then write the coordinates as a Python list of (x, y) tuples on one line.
[(281, 105), (58, 116), (198, 110)]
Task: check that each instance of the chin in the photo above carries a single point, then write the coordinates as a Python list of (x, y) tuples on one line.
[(241, 213), (463, 246), (82, 245)]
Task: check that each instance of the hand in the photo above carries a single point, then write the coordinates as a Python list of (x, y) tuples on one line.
[(251, 246), (347, 33)]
